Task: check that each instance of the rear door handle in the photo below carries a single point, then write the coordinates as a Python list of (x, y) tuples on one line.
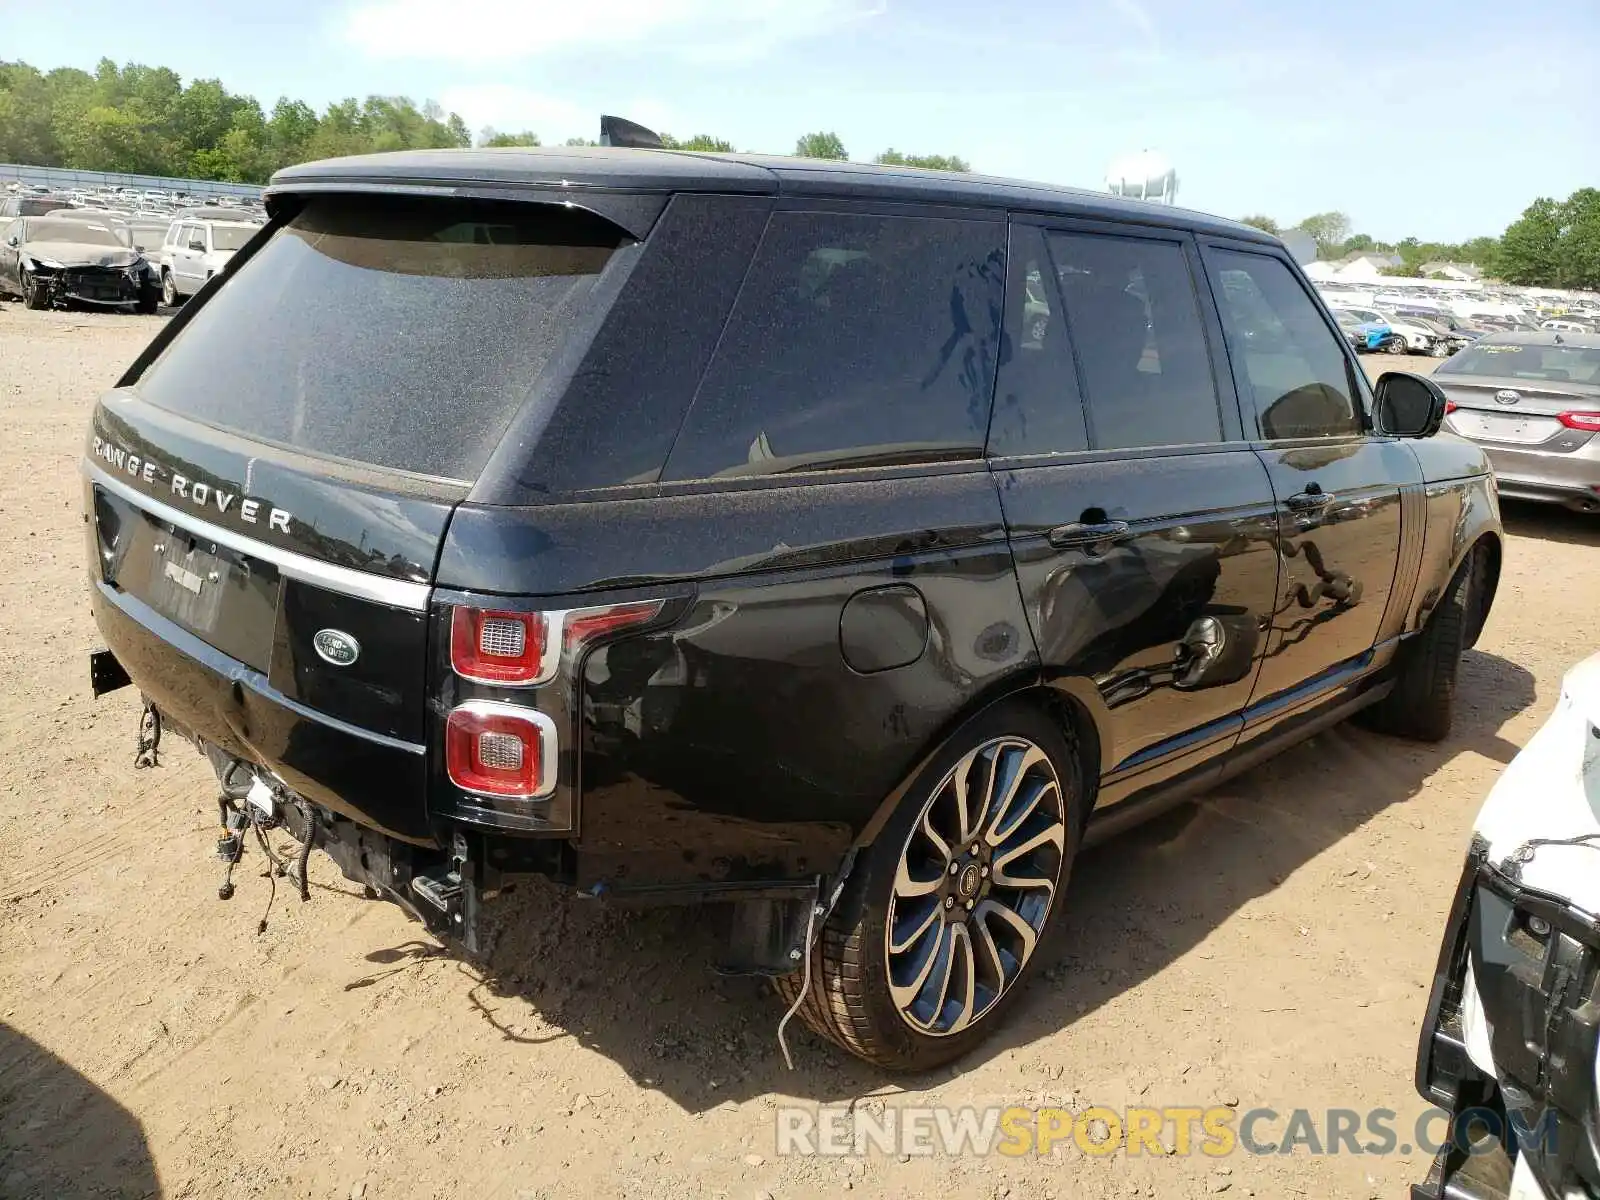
[(1088, 533), (1310, 500)]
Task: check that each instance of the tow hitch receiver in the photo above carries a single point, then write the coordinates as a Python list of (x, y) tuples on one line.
[(106, 674)]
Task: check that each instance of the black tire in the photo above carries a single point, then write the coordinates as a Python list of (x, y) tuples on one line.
[(1422, 705), (34, 296), (169, 290), (849, 1001)]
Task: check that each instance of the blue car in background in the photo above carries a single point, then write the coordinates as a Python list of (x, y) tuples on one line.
[(1367, 337)]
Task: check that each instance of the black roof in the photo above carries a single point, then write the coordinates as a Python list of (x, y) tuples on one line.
[(575, 169)]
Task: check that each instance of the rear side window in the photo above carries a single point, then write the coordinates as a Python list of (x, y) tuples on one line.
[(396, 333), (1141, 347), (855, 340), (1286, 359)]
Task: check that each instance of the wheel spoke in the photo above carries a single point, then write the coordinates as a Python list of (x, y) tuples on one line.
[(908, 888), (964, 968), (999, 814), (966, 820), (1013, 921), (1052, 835), (1025, 802), (932, 834), (984, 940), (905, 996), (899, 945)]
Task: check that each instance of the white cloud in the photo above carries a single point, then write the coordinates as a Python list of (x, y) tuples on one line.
[(509, 30), (1135, 13), (512, 109)]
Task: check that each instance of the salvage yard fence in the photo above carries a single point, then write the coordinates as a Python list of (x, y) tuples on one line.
[(65, 178)]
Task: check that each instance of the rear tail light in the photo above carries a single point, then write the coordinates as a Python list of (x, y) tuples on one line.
[(500, 750), (522, 649), (1589, 421), (512, 649)]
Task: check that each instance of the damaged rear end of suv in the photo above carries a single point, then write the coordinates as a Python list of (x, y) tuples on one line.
[(269, 490)]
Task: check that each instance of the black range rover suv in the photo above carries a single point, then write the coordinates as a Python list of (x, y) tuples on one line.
[(848, 544)]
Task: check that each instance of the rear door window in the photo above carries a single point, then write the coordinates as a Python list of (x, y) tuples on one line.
[(1286, 359), (856, 340), (1140, 342), (1038, 408), (396, 333)]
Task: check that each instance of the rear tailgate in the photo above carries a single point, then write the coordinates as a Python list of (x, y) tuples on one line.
[(267, 500), (215, 570)]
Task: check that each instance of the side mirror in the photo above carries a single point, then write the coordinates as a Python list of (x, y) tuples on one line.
[(197, 244), (13, 240), (1409, 406)]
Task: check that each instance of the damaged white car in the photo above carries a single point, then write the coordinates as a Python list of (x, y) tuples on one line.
[(1509, 1042)]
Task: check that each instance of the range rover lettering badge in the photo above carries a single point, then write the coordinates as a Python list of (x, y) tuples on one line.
[(207, 496), (1507, 396), (336, 647)]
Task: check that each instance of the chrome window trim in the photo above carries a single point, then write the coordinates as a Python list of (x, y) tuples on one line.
[(363, 585)]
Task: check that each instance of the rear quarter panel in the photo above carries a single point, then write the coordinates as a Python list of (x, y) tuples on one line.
[(738, 743), (1462, 508)]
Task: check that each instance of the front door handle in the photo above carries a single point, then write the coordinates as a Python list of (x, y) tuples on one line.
[(1082, 534), (1312, 499)]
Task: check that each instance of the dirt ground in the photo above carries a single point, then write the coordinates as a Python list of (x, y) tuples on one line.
[(1269, 947)]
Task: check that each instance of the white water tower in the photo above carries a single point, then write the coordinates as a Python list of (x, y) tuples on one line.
[(1146, 175)]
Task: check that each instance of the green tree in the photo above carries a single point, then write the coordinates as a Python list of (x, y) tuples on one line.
[(820, 145), (928, 162), (577, 141), (1530, 251), (1329, 230), (493, 137), (700, 141), (1357, 243), (1264, 223), (1483, 253), (1580, 240)]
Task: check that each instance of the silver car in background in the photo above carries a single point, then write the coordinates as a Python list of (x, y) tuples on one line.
[(1532, 401)]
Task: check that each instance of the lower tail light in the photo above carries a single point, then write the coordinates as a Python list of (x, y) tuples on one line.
[(500, 750), (1588, 421)]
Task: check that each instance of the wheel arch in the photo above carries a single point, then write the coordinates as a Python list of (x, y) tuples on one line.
[(1071, 702)]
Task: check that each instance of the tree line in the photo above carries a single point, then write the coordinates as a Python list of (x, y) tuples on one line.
[(1555, 243), (147, 121)]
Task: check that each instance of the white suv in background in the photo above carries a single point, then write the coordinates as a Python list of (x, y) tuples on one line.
[(194, 251)]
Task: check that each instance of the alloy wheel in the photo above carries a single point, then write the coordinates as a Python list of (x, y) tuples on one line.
[(975, 885)]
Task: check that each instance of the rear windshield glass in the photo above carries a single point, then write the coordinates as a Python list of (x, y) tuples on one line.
[(230, 237), (401, 334), (1561, 364), (82, 232)]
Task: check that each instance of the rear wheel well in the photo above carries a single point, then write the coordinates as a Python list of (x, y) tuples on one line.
[(1485, 555), (1085, 736), (1058, 705)]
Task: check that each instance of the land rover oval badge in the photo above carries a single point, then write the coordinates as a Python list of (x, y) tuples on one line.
[(336, 646)]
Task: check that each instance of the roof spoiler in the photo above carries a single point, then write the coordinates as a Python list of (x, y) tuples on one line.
[(616, 131)]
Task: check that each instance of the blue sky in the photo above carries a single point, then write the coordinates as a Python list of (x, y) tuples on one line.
[(1442, 120)]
